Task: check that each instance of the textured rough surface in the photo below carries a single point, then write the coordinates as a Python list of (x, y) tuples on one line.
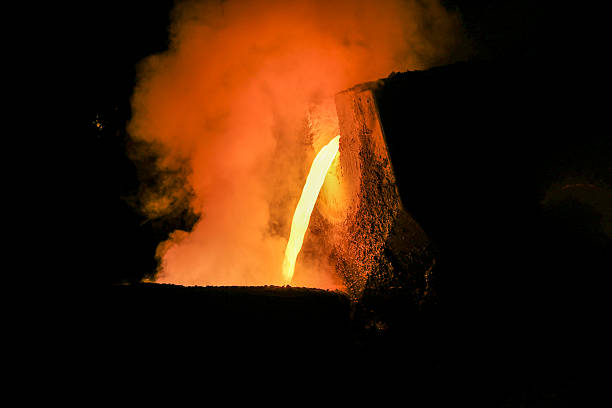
[(378, 244)]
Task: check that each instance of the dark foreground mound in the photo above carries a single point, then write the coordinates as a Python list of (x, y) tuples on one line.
[(378, 348), (169, 318)]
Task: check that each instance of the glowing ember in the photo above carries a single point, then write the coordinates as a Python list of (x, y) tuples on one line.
[(301, 217)]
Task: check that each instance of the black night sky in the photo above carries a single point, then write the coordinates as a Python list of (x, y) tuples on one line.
[(532, 261)]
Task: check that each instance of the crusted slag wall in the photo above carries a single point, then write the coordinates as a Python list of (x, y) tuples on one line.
[(378, 245)]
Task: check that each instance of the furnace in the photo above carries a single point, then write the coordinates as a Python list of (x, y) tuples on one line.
[(376, 243)]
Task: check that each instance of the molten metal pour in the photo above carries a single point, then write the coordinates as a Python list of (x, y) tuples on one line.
[(301, 217)]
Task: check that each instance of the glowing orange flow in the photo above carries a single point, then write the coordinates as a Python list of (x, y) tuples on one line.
[(301, 217)]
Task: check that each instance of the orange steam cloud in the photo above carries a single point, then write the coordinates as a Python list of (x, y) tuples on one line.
[(233, 98)]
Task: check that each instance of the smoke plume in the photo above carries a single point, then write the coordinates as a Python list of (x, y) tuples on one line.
[(239, 100)]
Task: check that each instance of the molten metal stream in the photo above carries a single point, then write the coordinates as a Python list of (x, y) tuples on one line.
[(301, 217)]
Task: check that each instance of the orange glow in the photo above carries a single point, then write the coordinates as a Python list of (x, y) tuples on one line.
[(239, 104), (301, 217)]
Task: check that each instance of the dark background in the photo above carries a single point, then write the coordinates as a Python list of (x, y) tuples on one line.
[(519, 278)]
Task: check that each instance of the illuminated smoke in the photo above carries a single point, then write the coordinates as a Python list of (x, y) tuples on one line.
[(241, 98)]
